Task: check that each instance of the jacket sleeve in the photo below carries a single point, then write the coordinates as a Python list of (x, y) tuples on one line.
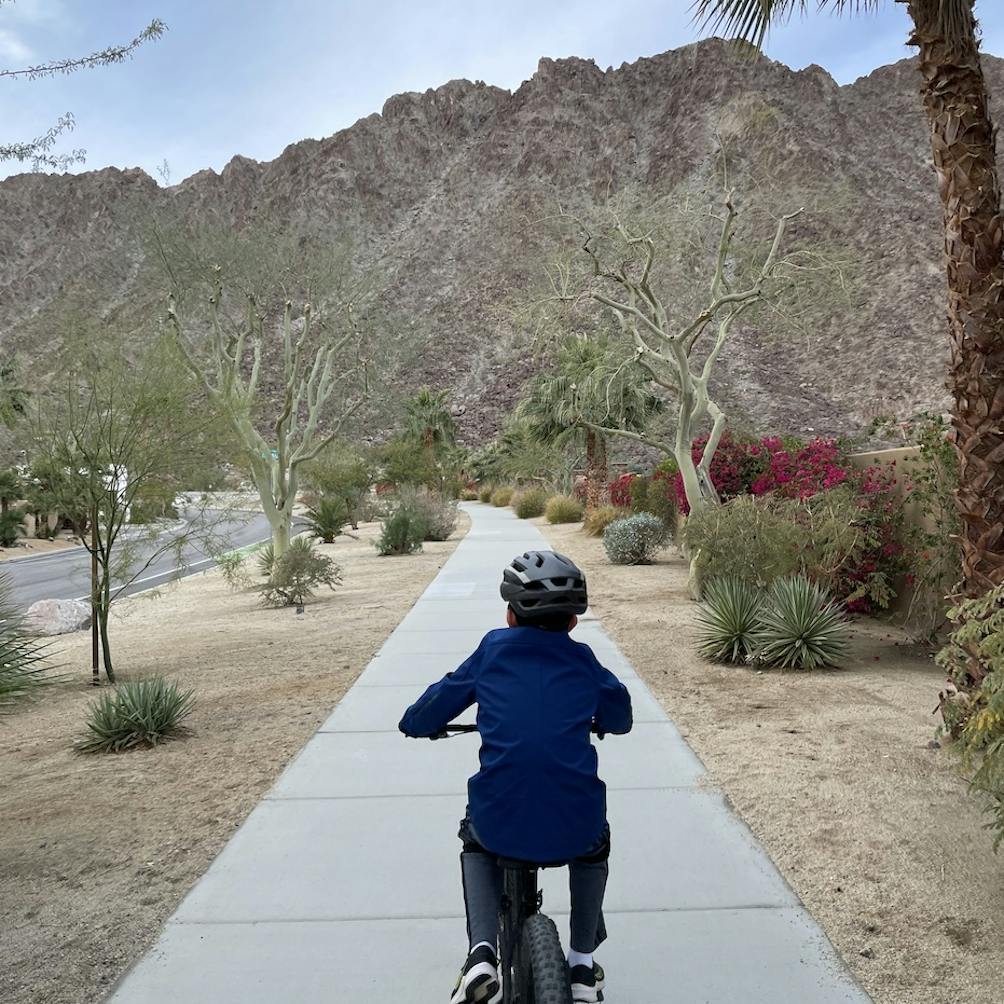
[(443, 701), (613, 709)]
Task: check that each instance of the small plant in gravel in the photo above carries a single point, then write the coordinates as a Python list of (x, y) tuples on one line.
[(597, 520), (635, 540), (729, 618), (563, 509), (298, 573), (326, 518), (530, 503), (403, 532), (485, 494), (139, 713), (801, 627), (502, 497), (22, 656)]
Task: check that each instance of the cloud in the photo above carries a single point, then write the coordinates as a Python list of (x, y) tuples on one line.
[(34, 11), (13, 52)]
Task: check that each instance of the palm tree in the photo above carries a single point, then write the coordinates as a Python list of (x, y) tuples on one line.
[(589, 388), (429, 419), (962, 139)]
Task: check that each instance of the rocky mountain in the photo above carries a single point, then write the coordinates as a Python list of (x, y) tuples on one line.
[(436, 191)]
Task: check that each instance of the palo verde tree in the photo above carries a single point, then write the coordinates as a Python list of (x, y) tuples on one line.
[(38, 153), (678, 352), (593, 386), (115, 430), (956, 101), (287, 378)]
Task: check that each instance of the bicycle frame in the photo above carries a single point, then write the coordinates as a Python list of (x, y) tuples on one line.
[(520, 899)]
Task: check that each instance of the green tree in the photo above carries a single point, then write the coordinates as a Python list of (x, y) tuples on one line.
[(38, 152), (116, 430), (591, 390), (341, 472), (963, 145)]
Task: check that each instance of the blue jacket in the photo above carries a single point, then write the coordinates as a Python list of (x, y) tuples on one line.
[(537, 796)]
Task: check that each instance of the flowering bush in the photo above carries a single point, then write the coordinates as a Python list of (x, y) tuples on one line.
[(619, 491)]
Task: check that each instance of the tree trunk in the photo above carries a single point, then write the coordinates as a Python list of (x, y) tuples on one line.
[(963, 144), (103, 609), (596, 469), (280, 534)]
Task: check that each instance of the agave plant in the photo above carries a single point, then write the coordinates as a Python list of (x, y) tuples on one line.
[(801, 627), (22, 657), (729, 618), (141, 713), (266, 559)]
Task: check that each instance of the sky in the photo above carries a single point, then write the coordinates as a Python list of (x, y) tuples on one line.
[(250, 77)]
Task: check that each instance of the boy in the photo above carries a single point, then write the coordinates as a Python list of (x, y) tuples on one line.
[(537, 796)]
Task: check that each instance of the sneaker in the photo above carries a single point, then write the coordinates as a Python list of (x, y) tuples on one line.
[(478, 982), (587, 984)]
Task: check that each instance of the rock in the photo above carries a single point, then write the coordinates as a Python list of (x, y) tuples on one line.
[(49, 617)]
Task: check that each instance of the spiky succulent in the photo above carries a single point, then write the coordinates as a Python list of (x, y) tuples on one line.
[(139, 713), (729, 617), (801, 627)]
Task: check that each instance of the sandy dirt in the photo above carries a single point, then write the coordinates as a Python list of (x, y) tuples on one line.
[(97, 851), (837, 775), (31, 546)]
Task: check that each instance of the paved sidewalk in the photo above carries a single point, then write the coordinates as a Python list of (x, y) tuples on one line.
[(343, 884)]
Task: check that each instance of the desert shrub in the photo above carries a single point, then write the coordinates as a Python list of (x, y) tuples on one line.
[(597, 520), (563, 509), (233, 568), (635, 540), (469, 495), (502, 497), (620, 491), (729, 617), (22, 656), (530, 503), (485, 494), (657, 496), (801, 627), (341, 472), (140, 713), (436, 514), (327, 517), (265, 559), (404, 462), (974, 707), (298, 573), (748, 539), (10, 527), (403, 532)]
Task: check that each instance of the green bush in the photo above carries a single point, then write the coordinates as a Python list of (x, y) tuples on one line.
[(502, 497), (563, 509), (22, 656), (973, 708), (729, 617), (327, 517), (10, 527), (657, 496), (142, 713), (485, 494), (800, 627), (597, 520), (298, 573), (233, 568), (403, 532), (469, 495), (635, 540), (530, 503)]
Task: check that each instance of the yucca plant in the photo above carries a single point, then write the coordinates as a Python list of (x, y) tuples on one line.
[(266, 559), (327, 518), (140, 713), (729, 618), (22, 657), (801, 627)]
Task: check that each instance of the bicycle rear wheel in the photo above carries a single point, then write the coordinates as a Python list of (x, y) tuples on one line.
[(542, 954)]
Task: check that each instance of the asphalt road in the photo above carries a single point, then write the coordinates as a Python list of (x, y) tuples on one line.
[(66, 574)]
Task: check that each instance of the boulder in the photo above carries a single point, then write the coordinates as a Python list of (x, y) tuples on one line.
[(49, 617)]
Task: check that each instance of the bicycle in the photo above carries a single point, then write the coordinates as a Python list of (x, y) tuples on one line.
[(533, 965)]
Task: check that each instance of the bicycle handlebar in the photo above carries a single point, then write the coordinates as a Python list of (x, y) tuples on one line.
[(459, 728)]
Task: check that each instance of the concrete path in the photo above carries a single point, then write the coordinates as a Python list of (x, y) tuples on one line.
[(343, 884)]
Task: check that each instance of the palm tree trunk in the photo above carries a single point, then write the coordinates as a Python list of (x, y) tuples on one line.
[(963, 143), (596, 469)]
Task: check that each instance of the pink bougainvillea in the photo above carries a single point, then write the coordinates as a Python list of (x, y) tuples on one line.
[(620, 491)]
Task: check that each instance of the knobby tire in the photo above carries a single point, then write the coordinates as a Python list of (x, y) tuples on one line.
[(546, 962)]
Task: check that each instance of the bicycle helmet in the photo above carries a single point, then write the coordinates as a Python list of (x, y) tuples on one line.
[(541, 583)]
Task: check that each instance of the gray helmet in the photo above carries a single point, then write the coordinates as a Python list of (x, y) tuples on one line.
[(539, 583)]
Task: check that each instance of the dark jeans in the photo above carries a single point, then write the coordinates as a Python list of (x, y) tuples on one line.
[(482, 878)]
